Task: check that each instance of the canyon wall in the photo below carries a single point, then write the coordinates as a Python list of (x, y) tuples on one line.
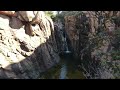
[(92, 34), (27, 45)]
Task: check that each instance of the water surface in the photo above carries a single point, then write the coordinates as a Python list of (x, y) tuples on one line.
[(66, 69)]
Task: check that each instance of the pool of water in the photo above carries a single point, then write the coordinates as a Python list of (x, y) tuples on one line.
[(65, 69)]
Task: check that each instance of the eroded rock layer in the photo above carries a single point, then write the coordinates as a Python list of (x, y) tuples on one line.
[(27, 48)]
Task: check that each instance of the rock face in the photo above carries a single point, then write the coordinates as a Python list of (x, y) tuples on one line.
[(23, 56), (73, 33), (4, 22), (80, 27), (62, 40), (90, 34), (59, 35)]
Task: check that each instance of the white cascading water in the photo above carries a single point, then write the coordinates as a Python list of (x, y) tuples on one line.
[(66, 45)]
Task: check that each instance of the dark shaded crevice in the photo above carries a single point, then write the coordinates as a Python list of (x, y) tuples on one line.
[(3, 74)]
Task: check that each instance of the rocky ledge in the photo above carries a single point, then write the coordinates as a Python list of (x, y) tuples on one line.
[(27, 45)]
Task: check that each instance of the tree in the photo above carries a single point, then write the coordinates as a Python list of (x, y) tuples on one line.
[(50, 14)]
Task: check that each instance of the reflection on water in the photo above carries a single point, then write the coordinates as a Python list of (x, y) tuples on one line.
[(63, 71), (66, 69)]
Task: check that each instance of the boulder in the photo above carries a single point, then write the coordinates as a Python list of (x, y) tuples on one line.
[(26, 15), (15, 23)]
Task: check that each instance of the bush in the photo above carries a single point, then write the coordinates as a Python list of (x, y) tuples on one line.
[(50, 14)]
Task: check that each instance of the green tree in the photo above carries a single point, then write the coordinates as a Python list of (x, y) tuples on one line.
[(50, 14)]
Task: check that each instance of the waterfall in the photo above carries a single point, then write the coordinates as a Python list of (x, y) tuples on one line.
[(66, 45)]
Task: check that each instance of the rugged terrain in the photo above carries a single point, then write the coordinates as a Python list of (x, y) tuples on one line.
[(30, 43), (94, 37), (26, 49)]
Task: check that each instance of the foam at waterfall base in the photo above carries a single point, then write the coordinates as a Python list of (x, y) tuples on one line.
[(67, 51)]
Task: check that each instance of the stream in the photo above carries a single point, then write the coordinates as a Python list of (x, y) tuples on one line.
[(65, 69)]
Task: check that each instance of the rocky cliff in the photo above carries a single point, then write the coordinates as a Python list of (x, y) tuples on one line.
[(79, 27), (92, 34), (27, 45)]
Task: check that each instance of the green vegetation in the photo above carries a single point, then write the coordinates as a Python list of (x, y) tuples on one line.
[(50, 14), (62, 15), (52, 73), (115, 55)]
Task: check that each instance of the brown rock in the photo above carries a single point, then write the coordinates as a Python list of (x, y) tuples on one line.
[(8, 13), (15, 23), (26, 15)]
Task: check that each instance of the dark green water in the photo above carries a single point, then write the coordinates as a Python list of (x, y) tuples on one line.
[(66, 69)]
